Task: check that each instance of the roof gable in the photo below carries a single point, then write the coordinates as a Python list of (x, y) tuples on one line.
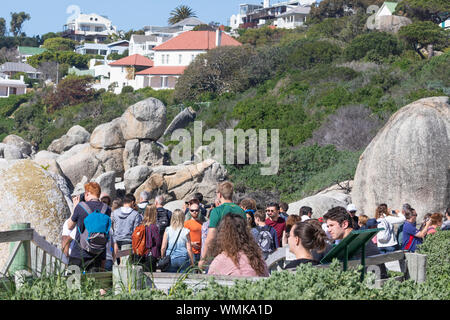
[(391, 6), (134, 60), (196, 40)]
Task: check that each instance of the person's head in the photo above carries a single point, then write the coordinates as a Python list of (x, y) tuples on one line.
[(117, 203), (447, 213), (351, 209), (284, 207), (144, 196), (305, 211), (233, 236), (247, 204), (159, 201), (177, 220), (339, 222), (250, 219), (92, 191), (405, 206), (372, 223), (225, 191), (198, 196), (290, 221), (260, 216), (273, 211), (362, 220), (194, 208), (381, 211), (306, 235), (436, 219), (150, 215), (129, 200), (411, 215), (105, 199)]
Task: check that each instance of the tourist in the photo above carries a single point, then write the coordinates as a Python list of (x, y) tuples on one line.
[(386, 239), (303, 238), (177, 244), (426, 217), (340, 225), (203, 212), (436, 222), (284, 207), (411, 236), (224, 206), (249, 207), (305, 213), (164, 215), (265, 236), (194, 224), (144, 198), (362, 221), (152, 238), (116, 204), (405, 206), (235, 250), (291, 220), (105, 198), (78, 255), (446, 223), (274, 220), (372, 223), (317, 253), (125, 220), (351, 209)]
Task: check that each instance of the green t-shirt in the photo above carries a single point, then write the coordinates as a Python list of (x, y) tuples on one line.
[(218, 213)]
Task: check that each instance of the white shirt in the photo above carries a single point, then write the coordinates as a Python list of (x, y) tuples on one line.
[(67, 232)]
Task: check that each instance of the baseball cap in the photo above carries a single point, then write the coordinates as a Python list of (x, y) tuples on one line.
[(351, 207)]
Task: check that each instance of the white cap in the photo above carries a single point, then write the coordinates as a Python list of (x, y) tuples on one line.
[(351, 207)]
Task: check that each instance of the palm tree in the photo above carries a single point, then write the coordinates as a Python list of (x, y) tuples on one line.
[(180, 13)]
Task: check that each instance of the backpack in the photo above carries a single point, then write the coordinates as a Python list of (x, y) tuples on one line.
[(97, 224), (162, 219), (385, 235), (265, 240), (138, 241)]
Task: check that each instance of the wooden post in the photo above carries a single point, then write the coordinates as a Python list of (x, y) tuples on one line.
[(22, 259), (416, 264)]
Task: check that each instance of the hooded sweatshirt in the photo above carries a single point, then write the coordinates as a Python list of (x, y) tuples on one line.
[(125, 220)]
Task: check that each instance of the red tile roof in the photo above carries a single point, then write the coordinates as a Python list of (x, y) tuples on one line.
[(196, 40), (134, 60), (162, 70)]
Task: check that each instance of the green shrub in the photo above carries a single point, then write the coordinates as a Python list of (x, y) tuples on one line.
[(127, 89)]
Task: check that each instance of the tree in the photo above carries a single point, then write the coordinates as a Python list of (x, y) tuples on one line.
[(339, 8), (50, 35), (59, 44), (17, 19), (423, 34), (180, 13), (2, 27), (434, 10), (8, 55)]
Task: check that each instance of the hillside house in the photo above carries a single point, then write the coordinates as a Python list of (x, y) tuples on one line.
[(11, 68), (102, 49), (123, 71), (144, 44), (173, 56), (293, 18), (10, 87), (23, 52), (386, 9), (89, 27)]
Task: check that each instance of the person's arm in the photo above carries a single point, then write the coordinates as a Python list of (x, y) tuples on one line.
[(210, 236), (72, 223), (189, 249), (396, 220), (285, 238), (164, 245), (423, 233)]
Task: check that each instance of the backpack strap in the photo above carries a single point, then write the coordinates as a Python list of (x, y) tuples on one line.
[(104, 208), (86, 208)]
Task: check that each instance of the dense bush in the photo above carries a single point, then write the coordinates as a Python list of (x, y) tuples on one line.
[(374, 46)]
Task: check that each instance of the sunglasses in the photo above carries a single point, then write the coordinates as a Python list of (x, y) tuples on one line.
[(270, 210), (196, 210)]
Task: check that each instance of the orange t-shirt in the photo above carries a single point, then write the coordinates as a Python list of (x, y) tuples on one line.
[(195, 228)]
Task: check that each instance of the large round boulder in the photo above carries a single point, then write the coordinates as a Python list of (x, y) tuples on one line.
[(408, 161), (108, 136), (390, 23), (145, 119), (320, 204), (76, 135), (20, 143), (30, 194)]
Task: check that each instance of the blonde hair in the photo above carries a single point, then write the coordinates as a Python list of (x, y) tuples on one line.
[(177, 220), (149, 215), (362, 219)]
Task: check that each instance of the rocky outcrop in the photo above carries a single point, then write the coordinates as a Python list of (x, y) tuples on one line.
[(76, 135), (408, 160), (181, 120), (320, 204), (30, 194), (108, 136), (23, 146), (107, 183), (387, 23), (145, 119), (136, 176)]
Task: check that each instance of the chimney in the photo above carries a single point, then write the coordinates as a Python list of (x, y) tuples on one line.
[(218, 37), (21, 78)]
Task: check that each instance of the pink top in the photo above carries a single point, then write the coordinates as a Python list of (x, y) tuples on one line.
[(431, 230), (224, 266)]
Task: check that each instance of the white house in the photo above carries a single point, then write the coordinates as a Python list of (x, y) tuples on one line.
[(293, 18), (144, 44), (386, 9), (10, 87), (102, 49), (173, 30), (89, 27), (123, 71), (11, 68), (173, 56)]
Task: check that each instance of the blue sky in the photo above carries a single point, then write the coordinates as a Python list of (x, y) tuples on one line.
[(50, 15)]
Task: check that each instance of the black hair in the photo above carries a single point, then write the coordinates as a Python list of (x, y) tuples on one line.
[(311, 235), (129, 198), (198, 196), (273, 204), (339, 214), (304, 211)]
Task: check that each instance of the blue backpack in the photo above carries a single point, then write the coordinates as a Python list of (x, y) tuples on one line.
[(97, 225)]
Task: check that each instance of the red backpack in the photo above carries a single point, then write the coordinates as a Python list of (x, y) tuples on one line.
[(138, 241)]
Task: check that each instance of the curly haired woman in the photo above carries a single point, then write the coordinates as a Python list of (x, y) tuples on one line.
[(235, 250)]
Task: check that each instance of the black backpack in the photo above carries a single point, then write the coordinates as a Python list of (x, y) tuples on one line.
[(162, 219)]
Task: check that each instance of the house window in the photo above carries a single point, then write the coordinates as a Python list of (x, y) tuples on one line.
[(164, 82), (162, 59), (192, 58), (167, 59), (98, 29), (103, 52), (179, 58), (12, 90), (85, 28)]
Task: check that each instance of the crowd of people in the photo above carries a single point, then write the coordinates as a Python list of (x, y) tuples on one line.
[(226, 238)]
